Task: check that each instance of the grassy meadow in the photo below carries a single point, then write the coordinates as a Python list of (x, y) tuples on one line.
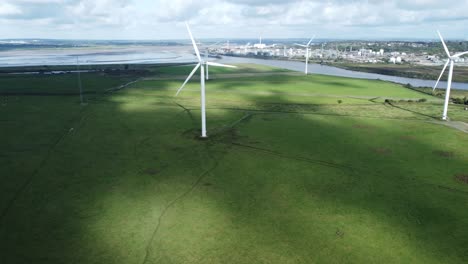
[(296, 169), (408, 70)]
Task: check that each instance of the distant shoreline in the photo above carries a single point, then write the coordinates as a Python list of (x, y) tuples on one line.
[(398, 70), (327, 69), (371, 72), (405, 70)]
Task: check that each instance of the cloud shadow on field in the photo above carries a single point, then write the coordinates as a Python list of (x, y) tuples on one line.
[(134, 184)]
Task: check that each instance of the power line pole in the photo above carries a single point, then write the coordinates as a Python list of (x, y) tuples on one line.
[(79, 80)]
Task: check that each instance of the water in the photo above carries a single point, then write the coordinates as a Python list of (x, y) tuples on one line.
[(334, 71), (50, 72), (95, 56)]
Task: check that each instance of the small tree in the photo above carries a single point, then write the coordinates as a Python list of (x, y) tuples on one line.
[(459, 100)]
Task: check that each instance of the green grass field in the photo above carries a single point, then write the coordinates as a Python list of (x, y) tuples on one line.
[(288, 175), (408, 70)]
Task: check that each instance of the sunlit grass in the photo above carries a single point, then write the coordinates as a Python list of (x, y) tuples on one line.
[(288, 175)]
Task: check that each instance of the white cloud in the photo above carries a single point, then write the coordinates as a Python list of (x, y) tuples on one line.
[(39, 1), (237, 18), (9, 9)]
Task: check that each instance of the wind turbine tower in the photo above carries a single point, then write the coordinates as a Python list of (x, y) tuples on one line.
[(451, 60), (200, 65), (307, 54)]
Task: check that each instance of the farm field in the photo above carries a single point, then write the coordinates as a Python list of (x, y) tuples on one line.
[(407, 70), (296, 169)]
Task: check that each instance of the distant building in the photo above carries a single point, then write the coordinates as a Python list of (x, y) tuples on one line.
[(259, 46)]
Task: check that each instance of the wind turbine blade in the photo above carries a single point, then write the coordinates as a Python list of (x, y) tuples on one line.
[(443, 43), (188, 78), (310, 41), (220, 65), (214, 44), (193, 42), (442, 73), (300, 45), (460, 54)]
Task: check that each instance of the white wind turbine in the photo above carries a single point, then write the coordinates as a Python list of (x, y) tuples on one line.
[(200, 65), (451, 61), (307, 53), (206, 59)]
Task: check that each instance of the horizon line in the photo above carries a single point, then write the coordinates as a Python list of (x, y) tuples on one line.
[(241, 38)]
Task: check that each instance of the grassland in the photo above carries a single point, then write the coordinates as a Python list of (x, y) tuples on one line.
[(297, 169), (407, 70)]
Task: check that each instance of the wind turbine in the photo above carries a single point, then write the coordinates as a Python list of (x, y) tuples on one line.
[(246, 47), (206, 59), (206, 65), (451, 61), (200, 65), (307, 53)]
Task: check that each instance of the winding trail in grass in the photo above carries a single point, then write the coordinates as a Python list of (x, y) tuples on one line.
[(296, 158), (172, 203), (182, 195), (310, 95), (411, 111), (216, 161), (43, 162), (282, 155), (79, 119), (462, 126), (188, 111), (262, 111), (123, 86)]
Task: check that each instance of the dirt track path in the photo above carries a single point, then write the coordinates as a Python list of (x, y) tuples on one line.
[(462, 126)]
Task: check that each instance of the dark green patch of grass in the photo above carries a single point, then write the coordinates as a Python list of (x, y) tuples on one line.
[(244, 68)]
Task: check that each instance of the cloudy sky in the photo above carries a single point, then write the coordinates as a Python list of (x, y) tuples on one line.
[(163, 19)]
